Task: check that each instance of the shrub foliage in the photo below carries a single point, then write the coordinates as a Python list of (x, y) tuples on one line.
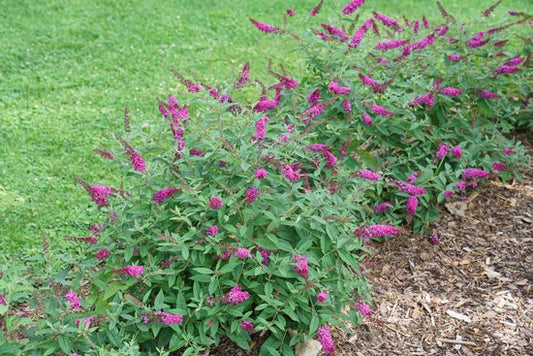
[(242, 218)]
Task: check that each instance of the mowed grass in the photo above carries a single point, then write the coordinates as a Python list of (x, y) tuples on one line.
[(68, 69)]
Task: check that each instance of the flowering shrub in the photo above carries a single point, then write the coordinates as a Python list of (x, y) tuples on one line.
[(259, 228)]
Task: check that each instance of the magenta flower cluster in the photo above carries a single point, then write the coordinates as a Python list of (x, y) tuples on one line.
[(168, 318), (215, 203), (336, 89), (378, 230), (322, 296), (260, 129), (248, 326), (363, 309), (368, 174), (324, 337), (235, 296), (301, 265), (72, 298), (131, 270), (164, 194), (353, 5), (98, 194)]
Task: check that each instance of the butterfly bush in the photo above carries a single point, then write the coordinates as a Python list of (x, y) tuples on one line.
[(247, 215)]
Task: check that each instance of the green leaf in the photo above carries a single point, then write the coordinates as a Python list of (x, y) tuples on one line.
[(159, 302), (213, 285), (203, 270), (64, 343), (185, 252), (313, 325), (201, 278)]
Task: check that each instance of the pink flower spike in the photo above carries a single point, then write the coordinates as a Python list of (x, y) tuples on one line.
[(442, 151), (372, 231), (314, 97), (505, 69), (261, 173), (334, 87), (363, 309), (382, 207), (105, 154), (211, 230), (425, 22), (90, 321), (264, 104), (460, 185), (251, 195), (98, 195), (291, 172), (473, 173), (260, 129), (324, 337), (102, 254), (322, 296), (215, 203), (379, 110), (248, 326), (387, 21), (514, 61), (264, 255), (476, 43), (331, 160), (428, 99), (136, 160), (485, 94), (410, 189), (196, 152), (164, 194), (359, 34), (291, 12), (499, 166), (72, 298), (508, 151), (3, 299), (449, 91), (416, 27), (412, 204), (235, 296), (454, 57), (385, 46), (168, 319), (367, 80), (242, 253), (346, 105), (335, 31), (353, 5), (315, 10), (457, 152), (301, 265), (435, 238), (367, 119), (132, 271), (313, 111), (448, 194), (265, 27), (243, 77), (368, 174)]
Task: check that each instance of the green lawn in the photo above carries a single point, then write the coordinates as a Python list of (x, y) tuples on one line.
[(68, 69)]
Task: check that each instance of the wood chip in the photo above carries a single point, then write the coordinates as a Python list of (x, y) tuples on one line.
[(459, 316)]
